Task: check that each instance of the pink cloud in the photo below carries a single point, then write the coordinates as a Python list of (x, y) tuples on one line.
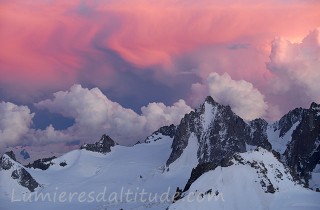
[(295, 70), (49, 44)]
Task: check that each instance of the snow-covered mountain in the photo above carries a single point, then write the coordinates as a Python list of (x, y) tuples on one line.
[(212, 160)]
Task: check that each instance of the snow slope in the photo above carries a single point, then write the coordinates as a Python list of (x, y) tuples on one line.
[(278, 143), (240, 187), (137, 178), (6, 182), (137, 168)]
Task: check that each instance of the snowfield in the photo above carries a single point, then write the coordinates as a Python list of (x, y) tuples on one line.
[(137, 178), (239, 187)]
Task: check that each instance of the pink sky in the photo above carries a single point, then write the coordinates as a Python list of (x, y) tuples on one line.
[(268, 50)]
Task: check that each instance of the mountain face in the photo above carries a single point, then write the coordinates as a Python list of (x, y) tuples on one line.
[(221, 134), (244, 183), (169, 131), (18, 172), (303, 152), (219, 131), (102, 146)]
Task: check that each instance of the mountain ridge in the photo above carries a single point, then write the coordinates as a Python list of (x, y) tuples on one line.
[(213, 140)]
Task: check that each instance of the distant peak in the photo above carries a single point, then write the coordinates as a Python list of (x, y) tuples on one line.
[(211, 101), (315, 106), (103, 145), (11, 155), (105, 137)]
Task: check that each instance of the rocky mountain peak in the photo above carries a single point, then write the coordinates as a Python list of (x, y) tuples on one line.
[(11, 155), (167, 130), (6, 162), (288, 120), (315, 107), (102, 146), (211, 101), (303, 152), (18, 172), (219, 132)]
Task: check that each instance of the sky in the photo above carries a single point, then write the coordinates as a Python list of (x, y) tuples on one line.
[(73, 70)]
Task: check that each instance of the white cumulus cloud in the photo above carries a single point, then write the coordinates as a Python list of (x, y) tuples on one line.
[(243, 98), (95, 114), (158, 114), (15, 122)]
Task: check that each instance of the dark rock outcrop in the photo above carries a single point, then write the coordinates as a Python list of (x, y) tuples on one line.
[(288, 120), (303, 152), (258, 131), (165, 131), (42, 164), (197, 172), (102, 146), (23, 177), (7, 160), (11, 155)]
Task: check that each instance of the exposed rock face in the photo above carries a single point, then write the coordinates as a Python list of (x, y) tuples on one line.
[(270, 172), (258, 134), (220, 133), (18, 172), (7, 160), (42, 164), (303, 152), (197, 172), (165, 131), (11, 155), (25, 179), (288, 120), (102, 146)]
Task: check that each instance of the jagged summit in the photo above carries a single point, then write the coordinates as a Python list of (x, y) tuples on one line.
[(314, 106), (163, 131), (103, 145), (211, 101), (219, 133), (17, 172), (11, 155)]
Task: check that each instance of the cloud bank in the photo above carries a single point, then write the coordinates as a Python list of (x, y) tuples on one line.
[(296, 69), (94, 115)]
